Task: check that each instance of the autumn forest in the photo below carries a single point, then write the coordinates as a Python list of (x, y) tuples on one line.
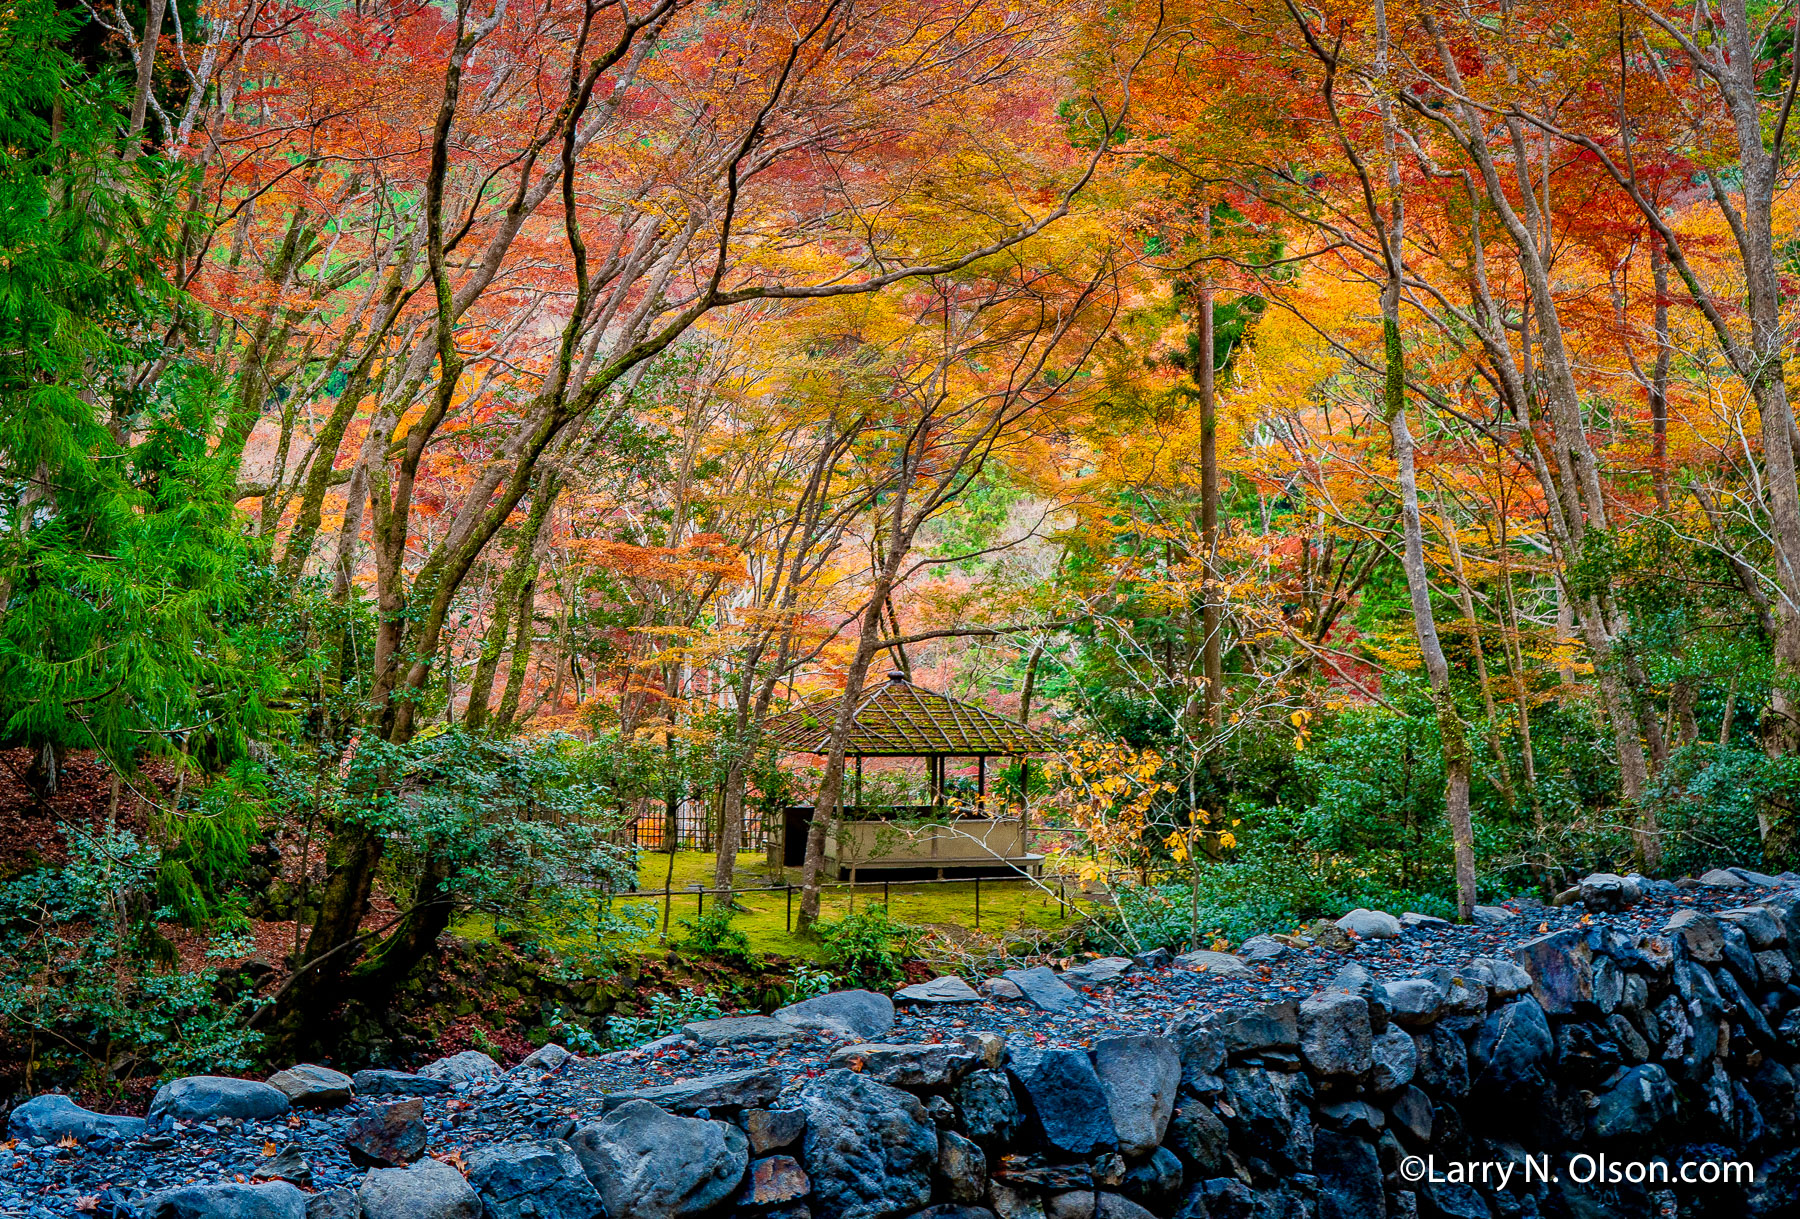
[(442, 440)]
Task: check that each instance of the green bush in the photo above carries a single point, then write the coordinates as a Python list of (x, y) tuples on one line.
[(666, 1014), (867, 947), (712, 937), (81, 992)]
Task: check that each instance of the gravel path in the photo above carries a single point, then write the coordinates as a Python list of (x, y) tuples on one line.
[(44, 1181)]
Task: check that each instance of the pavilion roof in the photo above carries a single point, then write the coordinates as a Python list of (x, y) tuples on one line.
[(899, 719)]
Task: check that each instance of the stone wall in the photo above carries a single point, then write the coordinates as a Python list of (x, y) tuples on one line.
[(1591, 1053)]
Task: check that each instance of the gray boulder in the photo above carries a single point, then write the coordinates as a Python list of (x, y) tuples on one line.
[(1414, 1002), (1043, 989), (1608, 892), (547, 1057), (1370, 924), (1261, 949), (1066, 1099), (933, 1064), (947, 989), (1154, 1183), (1560, 966), (1412, 920), (1760, 879), (1349, 1175), (962, 1168), (228, 1200), (1335, 1035), (1517, 1049), (200, 1098), (755, 1088), (870, 1149), (538, 1180), (1504, 979), (1256, 1030), (1098, 973), (1395, 1057), (309, 1086), (741, 1030), (1721, 879), (860, 1015), (648, 1164), (1635, 1107), (1139, 1076), (396, 1083), (429, 1189), (53, 1117), (464, 1068), (773, 1129), (1207, 961), (1001, 990), (1493, 916), (334, 1204), (1761, 925), (389, 1135), (986, 1109), (1703, 935)]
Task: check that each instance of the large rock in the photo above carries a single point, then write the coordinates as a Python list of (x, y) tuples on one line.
[(396, 1083), (1098, 973), (962, 1168), (1414, 1002), (774, 1181), (464, 1068), (1273, 1118), (228, 1200), (1204, 961), (200, 1098), (986, 1109), (1504, 979), (1636, 1106), (1517, 1050), (1066, 1099), (741, 1030), (1703, 935), (390, 1135), (1255, 1030), (860, 1015), (1719, 878), (1761, 924), (1395, 1057), (308, 1086), (1349, 1175), (773, 1129), (755, 1088), (429, 1189), (53, 1117), (931, 1064), (334, 1204), (1199, 1139), (547, 1057), (1083, 1204), (1154, 1183), (1560, 965), (1335, 1036), (1370, 924), (1609, 893), (1044, 989), (947, 989), (538, 1180), (1139, 1075), (1262, 949), (999, 990), (870, 1149), (648, 1164)]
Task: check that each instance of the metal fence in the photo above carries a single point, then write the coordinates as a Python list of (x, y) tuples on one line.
[(696, 828)]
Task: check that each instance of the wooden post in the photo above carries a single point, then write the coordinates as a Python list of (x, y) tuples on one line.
[(981, 782)]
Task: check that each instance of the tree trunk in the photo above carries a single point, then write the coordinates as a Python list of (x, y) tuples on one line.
[(1211, 659)]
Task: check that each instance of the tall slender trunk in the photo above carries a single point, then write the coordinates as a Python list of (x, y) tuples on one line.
[(1212, 662)]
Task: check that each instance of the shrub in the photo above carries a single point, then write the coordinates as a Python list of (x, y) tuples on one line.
[(712, 937), (80, 987), (666, 1014), (867, 946)]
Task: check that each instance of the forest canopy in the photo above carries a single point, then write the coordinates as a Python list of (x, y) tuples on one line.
[(439, 438)]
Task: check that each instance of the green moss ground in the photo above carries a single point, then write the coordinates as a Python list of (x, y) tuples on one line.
[(1006, 905)]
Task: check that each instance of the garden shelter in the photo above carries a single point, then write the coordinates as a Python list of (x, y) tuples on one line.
[(898, 719)]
